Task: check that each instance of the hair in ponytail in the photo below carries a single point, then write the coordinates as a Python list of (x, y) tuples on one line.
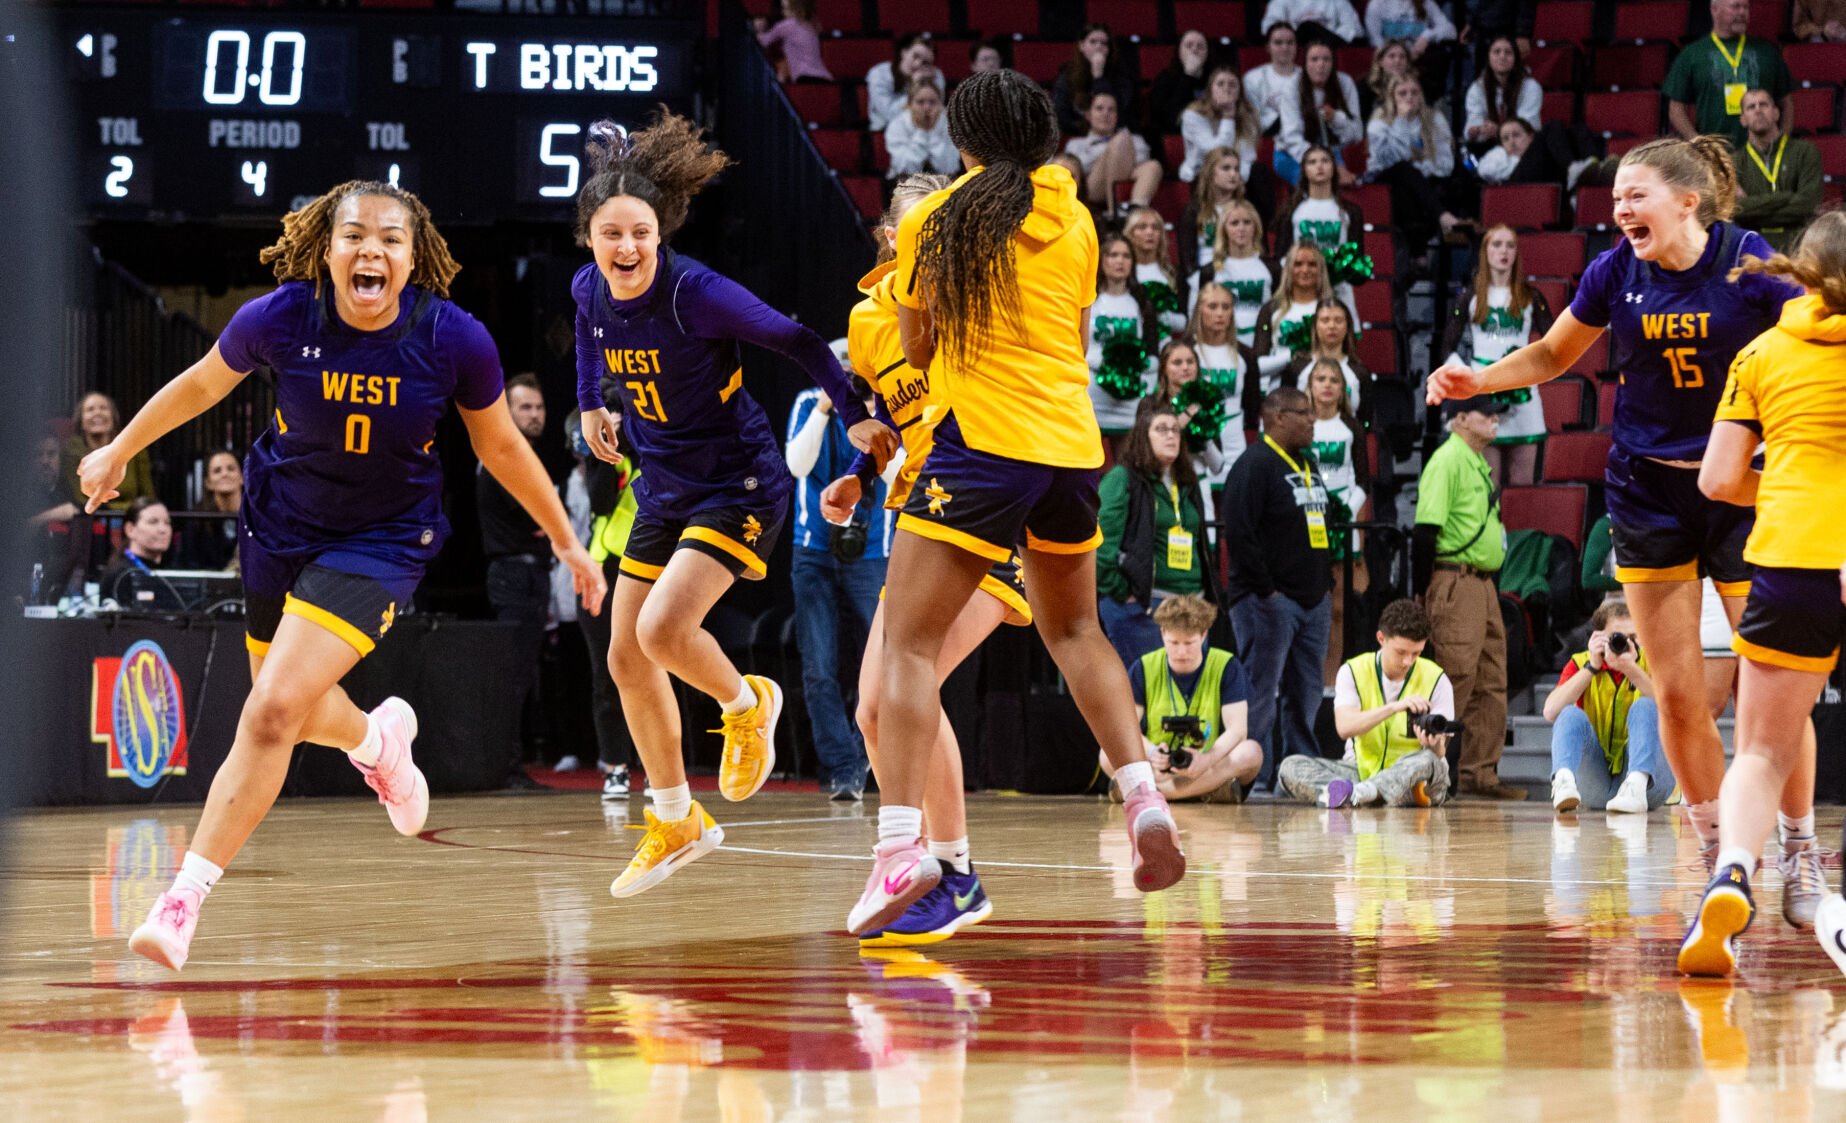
[(965, 263), (1818, 263), (664, 165), (1701, 165), (909, 191)]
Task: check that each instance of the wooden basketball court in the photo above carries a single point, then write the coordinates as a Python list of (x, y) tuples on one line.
[(1476, 962)]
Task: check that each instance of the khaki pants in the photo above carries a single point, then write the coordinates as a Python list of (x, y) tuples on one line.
[(1468, 639)]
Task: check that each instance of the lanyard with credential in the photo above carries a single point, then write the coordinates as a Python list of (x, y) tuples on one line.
[(1769, 173), (1736, 62), (1305, 470)]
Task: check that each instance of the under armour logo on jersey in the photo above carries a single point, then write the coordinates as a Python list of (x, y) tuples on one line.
[(1634, 297), (310, 352), (598, 332)]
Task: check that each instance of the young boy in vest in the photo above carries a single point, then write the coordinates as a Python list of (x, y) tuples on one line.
[(1195, 711), (1605, 725), (1379, 701)]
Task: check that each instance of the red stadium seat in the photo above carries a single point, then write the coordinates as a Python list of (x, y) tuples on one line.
[(1815, 62), (1563, 401), (1629, 66), (1372, 300), (1216, 20), (1154, 57), (1832, 155), (1553, 255), (1526, 206), (1593, 361), (842, 15), (1633, 113), (1567, 22), (1553, 508), (816, 103), (1606, 389), (1356, 61), (1556, 294), (1352, 156), (1374, 202), (1378, 351), (1579, 457), (1560, 105), (867, 192), (1173, 152), (1768, 21), (1652, 19), (1170, 200), (1595, 207), (1555, 67), (1126, 18), (901, 17), (1251, 57), (1041, 61), (1003, 17), (1378, 247), (1815, 110), (952, 58), (843, 149), (848, 58), (1620, 145), (881, 156)]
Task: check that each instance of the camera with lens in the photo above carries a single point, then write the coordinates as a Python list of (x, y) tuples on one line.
[(1619, 643), (1185, 734), (848, 542), (1435, 725)]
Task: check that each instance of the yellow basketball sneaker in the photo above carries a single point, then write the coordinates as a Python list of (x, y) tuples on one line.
[(750, 742), (665, 847)]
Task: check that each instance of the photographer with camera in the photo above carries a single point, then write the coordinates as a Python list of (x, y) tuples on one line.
[(1194, 708), (1397, 711), (837, 572), (1605, 725)]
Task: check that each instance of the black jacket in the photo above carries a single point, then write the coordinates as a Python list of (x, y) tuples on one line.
[(1263, 519), (1135, 555)]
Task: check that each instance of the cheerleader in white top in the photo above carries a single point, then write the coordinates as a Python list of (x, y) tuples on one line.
[(1236, 264), (1500, 315)]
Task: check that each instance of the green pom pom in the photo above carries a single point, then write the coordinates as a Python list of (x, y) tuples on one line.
[(1348, 264), (1294, 334), (1161, 296), (1124, 361), (1209, 421)]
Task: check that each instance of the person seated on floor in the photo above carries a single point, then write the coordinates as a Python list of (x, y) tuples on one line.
[(1605, 724), (1194, 708), (1385, 703)]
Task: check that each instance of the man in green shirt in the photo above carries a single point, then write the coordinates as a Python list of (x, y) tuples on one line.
[(1456, 551), (1706, 85), (1778, 174)]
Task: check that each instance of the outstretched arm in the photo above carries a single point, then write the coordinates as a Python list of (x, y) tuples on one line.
[(1536, 362), (200, 387)]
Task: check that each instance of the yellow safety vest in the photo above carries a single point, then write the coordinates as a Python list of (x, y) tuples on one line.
[(609, 533), (1606, 705), (1390, 740)]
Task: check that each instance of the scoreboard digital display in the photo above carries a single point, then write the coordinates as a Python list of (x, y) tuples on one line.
[(214, 115)]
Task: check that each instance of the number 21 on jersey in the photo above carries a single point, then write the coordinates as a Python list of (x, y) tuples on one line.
[(1687, 374), (647, 401)]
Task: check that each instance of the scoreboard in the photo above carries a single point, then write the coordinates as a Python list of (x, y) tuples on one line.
[(220, 114)]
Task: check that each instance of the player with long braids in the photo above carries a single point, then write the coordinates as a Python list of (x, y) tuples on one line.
[(995, 276), (715, 491), (342, 505), (1676, 321)]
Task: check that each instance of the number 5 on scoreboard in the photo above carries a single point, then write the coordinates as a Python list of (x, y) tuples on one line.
[(1687, 375)]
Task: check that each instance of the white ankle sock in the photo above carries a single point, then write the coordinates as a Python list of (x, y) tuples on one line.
[(743, 701), (1131, 776), (954, 852), (672, 803), (897, 823), (1704, 819), (197, 874), (1364, 794), (1737, 856), (1797, 834), (371, 747)]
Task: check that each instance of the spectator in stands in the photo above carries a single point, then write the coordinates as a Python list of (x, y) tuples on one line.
[(837, 573), (1108, 153), (1230, 367), (1313, 214), (887, 85), (517, 551), (1095, 67), (1820, 20), (147, 533), (1267, 85), (1153, 531), (1220, 183), (1706, 84), (1339, 451), (1273, 519), (1505, 91), (1222, 118), (1425, 28), (1413, 153), (1237, 265), (796, 39), (1124, 336), (1285, 325), (1213, 422), (48, 530), (1495, 317), (1483, 21), (1317, 20), (1334, 341), (992, 53), (1388, 62), (1183, 679), (95, 423), (1605, 724), (918, 138), (1324, 113), (1457, 548), (47, 487), (1563, 153), (212, 543), (1390, 760), (1183, 82), (1154, 268), (1778, 176)]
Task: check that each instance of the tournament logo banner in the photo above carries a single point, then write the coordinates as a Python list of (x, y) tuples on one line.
[(138, 711)]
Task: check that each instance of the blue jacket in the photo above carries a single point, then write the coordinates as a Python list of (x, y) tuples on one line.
[(812, 531)]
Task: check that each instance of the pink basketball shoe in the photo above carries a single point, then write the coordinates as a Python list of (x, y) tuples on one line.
[(901, 873), (166, 935), (396, 778), (1154, 839)]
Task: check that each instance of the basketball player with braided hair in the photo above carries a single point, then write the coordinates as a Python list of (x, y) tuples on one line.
[(342, 502), (665, 330), (1784, 391), (994, 281), (1675, 320)]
